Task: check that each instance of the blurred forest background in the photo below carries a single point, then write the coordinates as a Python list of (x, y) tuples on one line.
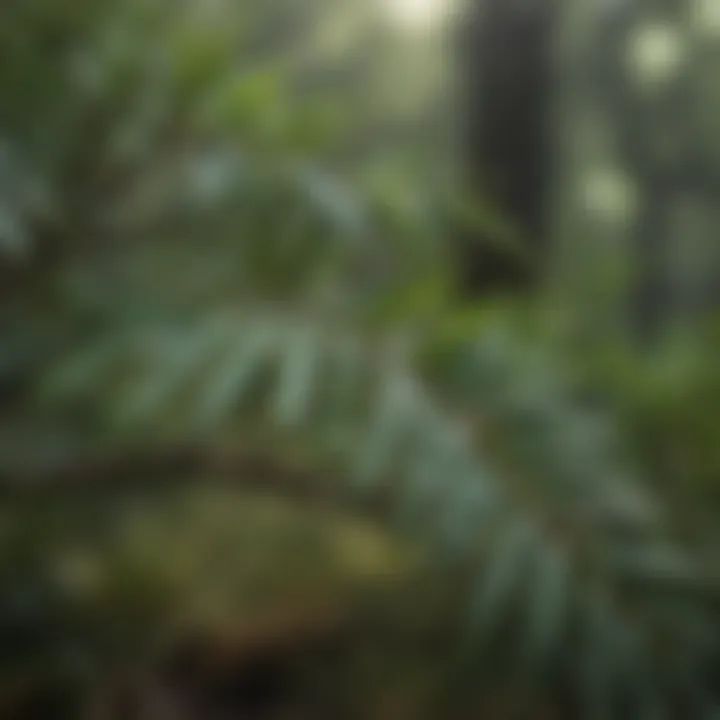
[(283, 431)]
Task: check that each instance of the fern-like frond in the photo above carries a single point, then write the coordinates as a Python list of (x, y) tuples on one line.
[(562, 532)]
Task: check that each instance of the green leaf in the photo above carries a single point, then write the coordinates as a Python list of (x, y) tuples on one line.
[(601, 637), (393, 417), (349, 370), (473, 503), (425, 474), (231, 380), (15, 240), (549, 605), (175, 359), (334, 200), (503, 576), (466, 494), (298, 369), (81, 370)]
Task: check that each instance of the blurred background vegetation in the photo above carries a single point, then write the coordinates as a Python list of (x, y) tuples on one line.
[(261, 456)]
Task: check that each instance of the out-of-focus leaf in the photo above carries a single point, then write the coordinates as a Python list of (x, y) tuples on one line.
[(549, 605), (254, 102), (15, 240), (229, 382), (473, 506), (508, 557), (82, 370), (601, 637), (334, 201), (297, 378), (392, 419), (177, 358)]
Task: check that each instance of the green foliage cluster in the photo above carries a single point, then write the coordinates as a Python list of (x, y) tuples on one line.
[(182, 260)]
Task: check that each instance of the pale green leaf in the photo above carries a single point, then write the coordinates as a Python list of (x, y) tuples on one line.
[(504, 575), (392, 419), (297, 376)]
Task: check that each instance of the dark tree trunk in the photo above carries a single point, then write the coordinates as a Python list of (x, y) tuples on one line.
[(506, 50)]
